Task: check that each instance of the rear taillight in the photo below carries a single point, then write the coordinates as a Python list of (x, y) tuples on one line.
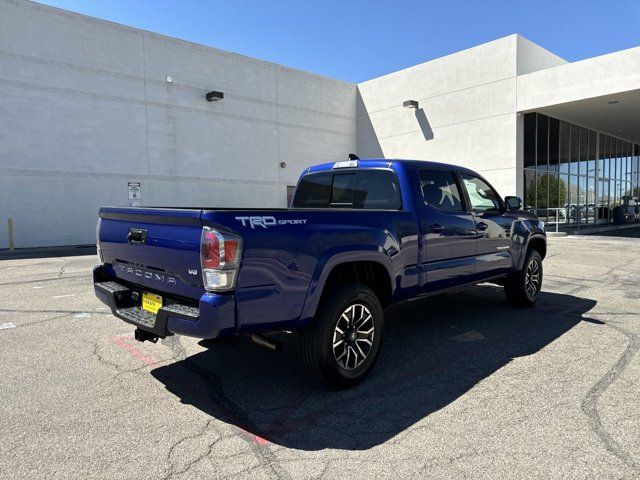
[(220, 259)]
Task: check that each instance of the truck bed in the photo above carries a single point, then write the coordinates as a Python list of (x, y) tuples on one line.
[(282, 251)]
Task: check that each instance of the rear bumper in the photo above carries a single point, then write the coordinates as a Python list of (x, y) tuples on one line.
[(214, 316)]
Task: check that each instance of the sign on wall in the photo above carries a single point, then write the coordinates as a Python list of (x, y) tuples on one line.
[(134, 191)]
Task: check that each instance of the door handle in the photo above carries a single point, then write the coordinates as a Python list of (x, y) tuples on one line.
[(436, 228), (481, 226)]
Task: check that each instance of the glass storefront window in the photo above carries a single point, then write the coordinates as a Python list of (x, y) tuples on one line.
[(584, 152), (602, 200), (591, 153), (542, 195), (591, 199), (554, 144), (530, 140), (563, 191), (634, 166), (573, 199), (606, 141), (623, 162), (574, 174), (529, 190), (582, 199), (601, 156), (565, 147), (575, 149), (629, 151), (618, 169), (542, 145)]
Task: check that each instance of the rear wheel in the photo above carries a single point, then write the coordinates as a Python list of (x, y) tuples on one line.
[(342, 344), (523, 287)]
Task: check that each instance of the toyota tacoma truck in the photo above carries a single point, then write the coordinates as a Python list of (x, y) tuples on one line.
[(360, 236)]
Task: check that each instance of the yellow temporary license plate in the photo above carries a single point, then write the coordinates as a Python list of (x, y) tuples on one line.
[(151, 303)]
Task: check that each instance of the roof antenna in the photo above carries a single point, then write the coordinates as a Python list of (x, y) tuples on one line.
[(353, 156)]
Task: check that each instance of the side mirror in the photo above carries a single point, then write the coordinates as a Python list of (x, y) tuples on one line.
[(513, 203)]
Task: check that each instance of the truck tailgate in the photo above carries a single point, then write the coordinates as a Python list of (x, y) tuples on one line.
[(155, 248)]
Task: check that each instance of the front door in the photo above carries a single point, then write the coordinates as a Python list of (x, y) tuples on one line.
[(493, 226), (448, 232)]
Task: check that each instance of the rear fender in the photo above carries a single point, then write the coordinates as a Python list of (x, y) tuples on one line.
[(327, 262)]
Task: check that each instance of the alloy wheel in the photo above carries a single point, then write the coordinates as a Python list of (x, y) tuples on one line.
[(532, 278), (353, 336)]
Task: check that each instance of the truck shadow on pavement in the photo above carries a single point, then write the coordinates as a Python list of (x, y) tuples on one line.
[(434, 351)]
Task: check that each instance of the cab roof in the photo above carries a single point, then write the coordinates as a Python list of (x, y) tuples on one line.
[(385, 163)]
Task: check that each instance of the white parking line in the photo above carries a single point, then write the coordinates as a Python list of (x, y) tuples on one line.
[(63, 296), (4, 326)]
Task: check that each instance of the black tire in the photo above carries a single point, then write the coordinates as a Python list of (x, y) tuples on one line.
[(523, 287), (317, 340)]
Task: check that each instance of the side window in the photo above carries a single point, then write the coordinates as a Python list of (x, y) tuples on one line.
[(314, 191), (440, 190), (481, 195), (377, 189)]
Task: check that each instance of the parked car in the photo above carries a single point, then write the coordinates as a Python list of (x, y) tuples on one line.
[(361, 235)]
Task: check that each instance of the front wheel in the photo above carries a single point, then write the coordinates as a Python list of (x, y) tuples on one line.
[(342, 344), (523, 287)]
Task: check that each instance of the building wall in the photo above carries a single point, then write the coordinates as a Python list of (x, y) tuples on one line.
[(594, 77), (467, 113), (468, 110), (533, 58), (85, 108)]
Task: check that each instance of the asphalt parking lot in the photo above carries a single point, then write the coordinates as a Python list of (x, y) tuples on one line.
[(466, 387)]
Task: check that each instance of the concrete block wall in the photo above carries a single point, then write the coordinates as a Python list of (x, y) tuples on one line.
[(85, 108)]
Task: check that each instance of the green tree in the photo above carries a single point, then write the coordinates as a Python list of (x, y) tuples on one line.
[(550, 191)]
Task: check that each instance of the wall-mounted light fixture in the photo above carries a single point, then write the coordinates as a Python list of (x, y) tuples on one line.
[(214, 96), (410, 104)]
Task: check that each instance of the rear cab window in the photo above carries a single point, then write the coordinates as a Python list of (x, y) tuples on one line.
[(364, 189)]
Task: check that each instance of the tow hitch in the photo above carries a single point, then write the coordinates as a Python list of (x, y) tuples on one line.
[(142, 335)]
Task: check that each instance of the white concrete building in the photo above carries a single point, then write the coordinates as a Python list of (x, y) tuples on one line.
[(89, 106)]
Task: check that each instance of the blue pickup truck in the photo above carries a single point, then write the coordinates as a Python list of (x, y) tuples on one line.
[(361, 235)]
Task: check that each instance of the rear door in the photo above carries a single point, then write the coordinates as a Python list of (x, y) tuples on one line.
[(447, 230), (492, 225)]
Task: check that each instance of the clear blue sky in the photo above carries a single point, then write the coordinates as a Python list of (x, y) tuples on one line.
[(357, 40)]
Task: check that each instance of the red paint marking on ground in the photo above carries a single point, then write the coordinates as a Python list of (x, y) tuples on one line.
[(121, 341), (260, 440), (256, 438)]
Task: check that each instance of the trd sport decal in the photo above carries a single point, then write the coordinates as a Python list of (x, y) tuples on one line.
[(266, 222)]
